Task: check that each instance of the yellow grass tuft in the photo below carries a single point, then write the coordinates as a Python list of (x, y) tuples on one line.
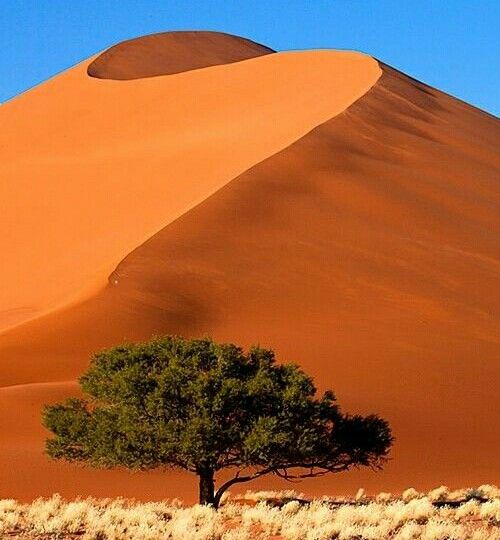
[(469, 514)]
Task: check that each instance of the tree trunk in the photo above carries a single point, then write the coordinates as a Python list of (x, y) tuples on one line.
[(218, 497), (207, 489)]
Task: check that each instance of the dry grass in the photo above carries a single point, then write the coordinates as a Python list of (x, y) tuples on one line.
[(437, 515)]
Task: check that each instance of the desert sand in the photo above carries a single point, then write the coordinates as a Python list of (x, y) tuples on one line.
[(172, 52), (320, 203), (95, 167)]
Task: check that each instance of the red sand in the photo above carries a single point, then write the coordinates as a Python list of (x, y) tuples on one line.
[(93, 167), (172, 52), (367, 251)]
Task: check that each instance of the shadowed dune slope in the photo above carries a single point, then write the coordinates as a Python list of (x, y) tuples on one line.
[(91, 168), (172, 52), (367, 251)]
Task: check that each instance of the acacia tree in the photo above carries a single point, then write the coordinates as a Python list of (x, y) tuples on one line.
[(204, 407)]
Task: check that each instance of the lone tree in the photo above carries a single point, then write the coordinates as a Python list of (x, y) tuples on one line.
[(204, 407)]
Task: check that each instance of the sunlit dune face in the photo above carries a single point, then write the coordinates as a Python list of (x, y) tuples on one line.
[(93, 168)]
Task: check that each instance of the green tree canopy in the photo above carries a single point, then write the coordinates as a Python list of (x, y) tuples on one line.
[(203, 406)]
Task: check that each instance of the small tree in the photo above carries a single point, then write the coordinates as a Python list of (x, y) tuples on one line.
[(204, 407)]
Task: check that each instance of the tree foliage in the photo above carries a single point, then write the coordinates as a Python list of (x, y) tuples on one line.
[(203, 406)]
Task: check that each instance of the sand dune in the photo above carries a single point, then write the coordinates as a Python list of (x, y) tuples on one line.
[(172, 52), (92, 168), (367, 251)]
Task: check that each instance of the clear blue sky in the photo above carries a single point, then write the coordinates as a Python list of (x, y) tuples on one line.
[(450, 44)]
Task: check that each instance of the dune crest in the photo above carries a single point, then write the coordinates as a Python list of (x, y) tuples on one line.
[(172, 52)]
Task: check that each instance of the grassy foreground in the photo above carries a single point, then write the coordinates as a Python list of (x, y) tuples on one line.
[(437, 515)]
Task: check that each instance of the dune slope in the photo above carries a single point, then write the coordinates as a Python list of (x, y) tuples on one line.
[(92, 168), (367, 251)]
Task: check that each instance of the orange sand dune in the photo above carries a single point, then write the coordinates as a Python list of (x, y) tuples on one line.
[(94, 167), (172, 52), (367, 251)]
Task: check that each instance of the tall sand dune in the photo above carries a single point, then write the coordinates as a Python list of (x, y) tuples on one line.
[(92, 168), (366, 250)]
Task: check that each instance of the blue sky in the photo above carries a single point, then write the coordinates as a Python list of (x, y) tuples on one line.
[(450, 44)]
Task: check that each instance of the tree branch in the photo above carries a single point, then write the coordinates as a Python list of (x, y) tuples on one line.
[(281, 470), (237, 480)]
